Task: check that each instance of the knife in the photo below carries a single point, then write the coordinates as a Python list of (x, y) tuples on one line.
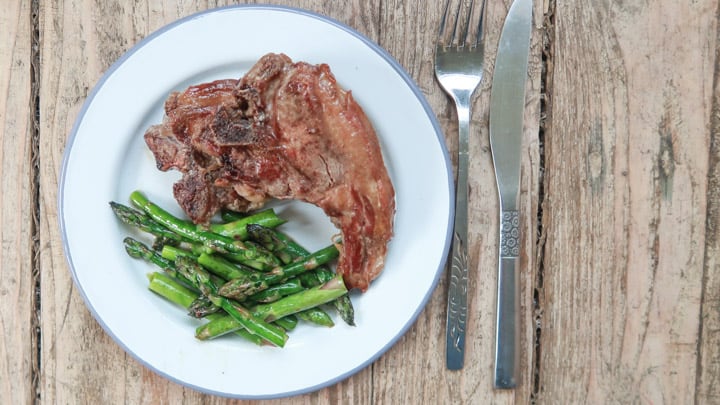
[(507, 106)]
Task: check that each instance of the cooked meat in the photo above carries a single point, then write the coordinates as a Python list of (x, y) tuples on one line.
[(284, 131)]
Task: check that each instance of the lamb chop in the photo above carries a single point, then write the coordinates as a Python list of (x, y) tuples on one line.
[(284, 131)]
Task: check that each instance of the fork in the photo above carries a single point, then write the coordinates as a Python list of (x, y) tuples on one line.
[(459, 63)]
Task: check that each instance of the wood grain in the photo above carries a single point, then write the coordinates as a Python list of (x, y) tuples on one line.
[(707, 386), (80, 362), (620, 287), (625, 208), (409, 37), (413, 45), (17, 317)]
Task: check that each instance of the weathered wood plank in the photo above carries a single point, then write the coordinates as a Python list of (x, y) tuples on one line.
[(420, 355), (413, 44), (707, 387), (625, 200), (628, 293), (17, 285), (81, 38)]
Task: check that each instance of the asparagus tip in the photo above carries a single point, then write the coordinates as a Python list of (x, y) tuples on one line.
[(134, 248)]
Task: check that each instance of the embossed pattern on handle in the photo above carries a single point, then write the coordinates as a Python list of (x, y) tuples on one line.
[(506, 337), (510, 234), (457, 305)]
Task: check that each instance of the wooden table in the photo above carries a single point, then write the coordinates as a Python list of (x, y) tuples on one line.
[(620, 288)]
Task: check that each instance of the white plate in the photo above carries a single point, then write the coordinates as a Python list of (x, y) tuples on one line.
[(106, 159)]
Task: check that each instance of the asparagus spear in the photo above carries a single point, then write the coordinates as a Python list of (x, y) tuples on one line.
[(233, 230), (268, 238), (142, 221), (213, 241), (237, 228), (213, 259), (175, 292), (317, 316), (242, 288), (291, 304), (138, 250), (193, 271), (188, 271), (202, 307), (293, 247), (278, 291), (288, 322), (229, 271), (173, 252), (230, 216), (222, 267), (343, 305), (168, 288), (297, 302)]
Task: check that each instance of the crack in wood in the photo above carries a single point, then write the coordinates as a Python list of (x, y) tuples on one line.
[(35, 199), (545, 107)]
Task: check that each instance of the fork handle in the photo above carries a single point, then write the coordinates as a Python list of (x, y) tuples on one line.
[(506, 336), (457, 289)]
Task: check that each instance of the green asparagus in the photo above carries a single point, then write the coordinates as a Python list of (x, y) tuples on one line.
[(210, 240), (202, 307), (173, 252), (186, 270), (142, 221), (342, 305), (292, 304), (242, 288), (278, 291), (222, 267), (195, 272), (242, 275), (317, 316), (237, 229), (175, 292), (269, 240)]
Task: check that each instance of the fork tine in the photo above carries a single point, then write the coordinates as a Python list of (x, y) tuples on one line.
[(455, 28), (441, 33), (465, 35), (481, 22), (449, 22)]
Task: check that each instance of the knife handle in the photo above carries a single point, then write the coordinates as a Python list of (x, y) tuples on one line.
[(506, 336)]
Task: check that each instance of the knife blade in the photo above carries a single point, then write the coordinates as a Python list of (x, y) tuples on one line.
[(507, 106)]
